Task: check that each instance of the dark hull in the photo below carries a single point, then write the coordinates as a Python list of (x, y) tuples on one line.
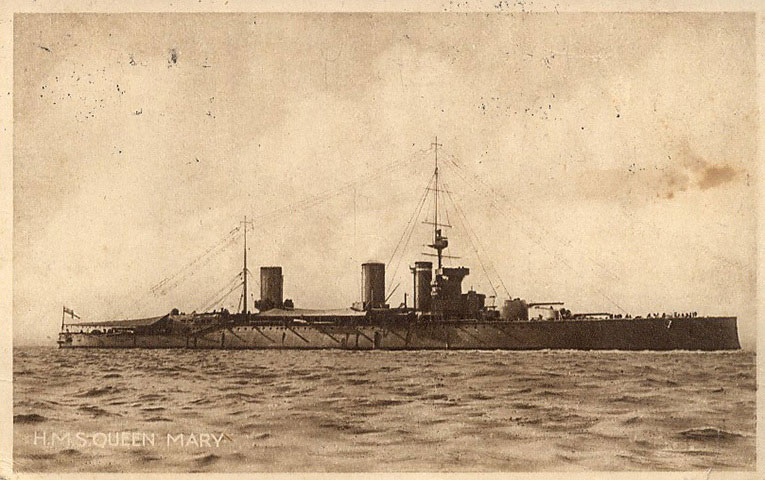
[(703, 333)]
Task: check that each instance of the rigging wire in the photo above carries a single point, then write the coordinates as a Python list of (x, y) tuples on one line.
[(171, 282), (488, 189), (218, 292), (412, 218), (650, 226), (538, 242), (208, 307), (321, 197), (200, 265), (241, 298), (478, 241), (226, 238), (412, 226), (445, 205), (468, 230)]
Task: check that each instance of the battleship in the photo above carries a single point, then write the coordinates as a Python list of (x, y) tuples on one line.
[(441, 316)]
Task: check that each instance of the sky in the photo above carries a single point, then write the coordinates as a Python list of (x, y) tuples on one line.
[(601, 159)]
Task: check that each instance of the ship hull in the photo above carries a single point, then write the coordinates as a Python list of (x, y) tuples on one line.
[(701, 333)]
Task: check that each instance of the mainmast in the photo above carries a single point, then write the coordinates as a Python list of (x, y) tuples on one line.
[(435, 218), (244, 269)]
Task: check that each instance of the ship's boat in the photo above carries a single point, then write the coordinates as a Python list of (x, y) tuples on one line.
[(441, 316)]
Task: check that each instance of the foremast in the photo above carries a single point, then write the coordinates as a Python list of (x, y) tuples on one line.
[(440, 242), (439, 297)]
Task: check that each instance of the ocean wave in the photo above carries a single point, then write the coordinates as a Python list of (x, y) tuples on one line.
[(206, 460), (151, 397), (478, 396), (97, 392), (95, 411), (158, 419), (709, 433), (28, 418), (633, 420), (152, 409), (70, 452)]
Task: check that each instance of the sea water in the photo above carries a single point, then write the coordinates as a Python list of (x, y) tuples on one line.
[(332, 410)]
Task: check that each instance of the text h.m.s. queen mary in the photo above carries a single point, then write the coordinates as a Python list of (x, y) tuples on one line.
[(125, 439)]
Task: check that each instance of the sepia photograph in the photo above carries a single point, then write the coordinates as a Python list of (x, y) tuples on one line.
[(459, 240)]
